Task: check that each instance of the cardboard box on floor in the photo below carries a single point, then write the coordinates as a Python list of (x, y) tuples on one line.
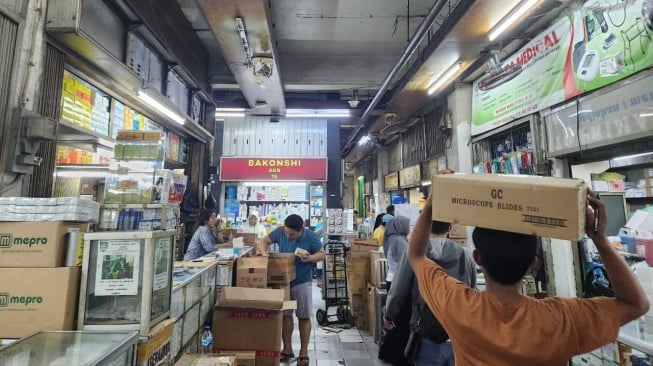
[(34, 299), (245, 358), (34, 244), (252, 272), (357, 275), (193, 359), (544, 206), (251, 319), (157, 347), (281, 268)]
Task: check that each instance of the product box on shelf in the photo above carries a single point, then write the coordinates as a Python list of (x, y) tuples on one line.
[(252, 272), (253, 317), (544, 206), (34, 299), (156, 348), (281, 268), (34, 244)]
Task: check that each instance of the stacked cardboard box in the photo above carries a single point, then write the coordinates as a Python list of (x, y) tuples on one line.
[(252, 272), (250, 319), (358, 271), (458, 234), (37, 293), (281, 271)]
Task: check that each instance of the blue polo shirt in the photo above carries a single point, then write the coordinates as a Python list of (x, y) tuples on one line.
[(308, 241)]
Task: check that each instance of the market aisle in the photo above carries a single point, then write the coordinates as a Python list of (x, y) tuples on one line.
[(350, 347)]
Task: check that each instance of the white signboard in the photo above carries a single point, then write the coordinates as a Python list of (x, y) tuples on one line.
[(118, 264), (410, 210), (161, 263)]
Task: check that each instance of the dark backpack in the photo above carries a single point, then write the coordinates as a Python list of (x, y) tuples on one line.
[(427, 324)]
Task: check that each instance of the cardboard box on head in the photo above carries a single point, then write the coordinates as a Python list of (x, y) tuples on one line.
[(543, 206)]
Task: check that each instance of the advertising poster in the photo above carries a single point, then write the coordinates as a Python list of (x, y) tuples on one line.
[(117, 267), (161, 263), (598, 44)]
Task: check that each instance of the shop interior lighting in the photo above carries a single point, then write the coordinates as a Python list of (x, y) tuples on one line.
[(426, 182), (439, 82), (242, 34), (86, 173), (633, 156), (364, 140), (229, 114), (317, 113), (161, 108), (650, 114), (274, 184), (510, 18)]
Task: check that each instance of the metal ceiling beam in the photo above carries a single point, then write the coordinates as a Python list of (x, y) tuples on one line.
[(421, 31), (221, 16)]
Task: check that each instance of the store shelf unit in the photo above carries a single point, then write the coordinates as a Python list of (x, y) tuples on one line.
[(126, 280), (317, 206), (126, 217)]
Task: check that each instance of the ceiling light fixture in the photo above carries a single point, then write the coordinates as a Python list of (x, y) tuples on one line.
[(242, 34), (317, 113), (510, 18), (229, 114), (364, 140), (231, 109), (354, 102), (161, 108), (445, 77)]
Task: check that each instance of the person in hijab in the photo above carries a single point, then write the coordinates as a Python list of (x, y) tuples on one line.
[(254, 226), (395, 244)]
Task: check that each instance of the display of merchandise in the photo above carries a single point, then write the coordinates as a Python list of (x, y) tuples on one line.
[(317, 206), (48, 209), (76, 103), (339, 222), (147, 217), (71, 155), (516, 162)]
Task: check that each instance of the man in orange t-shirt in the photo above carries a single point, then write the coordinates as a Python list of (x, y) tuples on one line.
[(500, 326)]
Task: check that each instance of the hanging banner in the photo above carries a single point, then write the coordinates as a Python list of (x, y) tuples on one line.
[(266, 169), (391, 182), (410, 177), (162, 249), (597, 45), (117, 268)]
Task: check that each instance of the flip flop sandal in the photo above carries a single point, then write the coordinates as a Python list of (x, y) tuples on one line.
[(287, 357), (302, 361)]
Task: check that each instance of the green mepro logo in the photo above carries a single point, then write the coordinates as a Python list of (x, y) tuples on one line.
[(8, 240), (6, 299)]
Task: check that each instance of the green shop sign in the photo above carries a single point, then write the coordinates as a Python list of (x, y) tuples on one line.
[(599, 44)]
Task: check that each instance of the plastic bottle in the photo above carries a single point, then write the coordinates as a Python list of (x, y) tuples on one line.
[(207, 345)]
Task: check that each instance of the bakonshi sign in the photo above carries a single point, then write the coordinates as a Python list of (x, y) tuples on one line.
[(265, 169)]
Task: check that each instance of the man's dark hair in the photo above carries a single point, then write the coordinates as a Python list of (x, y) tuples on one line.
[(505, 255), (294, 222), (390, 209), (440, 227)]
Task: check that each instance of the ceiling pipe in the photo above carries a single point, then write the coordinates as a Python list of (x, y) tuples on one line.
[(410, 48)]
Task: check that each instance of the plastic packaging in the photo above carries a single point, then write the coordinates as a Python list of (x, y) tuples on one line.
[(207, 345)]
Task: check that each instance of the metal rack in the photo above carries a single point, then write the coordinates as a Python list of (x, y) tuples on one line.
[(334, 285)]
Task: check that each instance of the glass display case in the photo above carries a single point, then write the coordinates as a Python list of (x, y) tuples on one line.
[(126, 280), (65, 348)]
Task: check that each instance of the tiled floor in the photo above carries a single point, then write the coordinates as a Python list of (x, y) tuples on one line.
[(349, 347)]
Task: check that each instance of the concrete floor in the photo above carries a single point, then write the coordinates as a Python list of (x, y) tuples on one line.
[(349, 347)]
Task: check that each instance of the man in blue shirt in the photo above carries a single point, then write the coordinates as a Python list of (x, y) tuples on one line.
[(290, 237)]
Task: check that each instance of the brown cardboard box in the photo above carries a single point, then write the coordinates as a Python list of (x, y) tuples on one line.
[(245, 358), (34, 299), (371, 309), (252, 272), (193, 359), (374, 255), (157, 347), (285, 288), (357, 275), (458, 231), (358, 304), (248, 238), (362, 247), (281, 268), (33, 244), (253, 317), (544, 206)]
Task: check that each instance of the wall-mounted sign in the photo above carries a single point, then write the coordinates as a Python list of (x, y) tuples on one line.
[(584, 50), (266, 169), (391, 182), (410, 177)]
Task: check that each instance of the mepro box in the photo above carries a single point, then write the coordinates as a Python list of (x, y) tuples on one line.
[(543, 206), (33, 244)]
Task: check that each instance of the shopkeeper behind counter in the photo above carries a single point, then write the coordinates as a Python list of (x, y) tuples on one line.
[(208, 235)]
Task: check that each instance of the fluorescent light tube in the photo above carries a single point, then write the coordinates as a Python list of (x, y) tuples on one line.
[(633, 156), (505, 23), (273, 184), (646, 115), (453, 69), (229, 114), (231, 110), (82, 173), (363, 140), (317, 113), (161, 108)]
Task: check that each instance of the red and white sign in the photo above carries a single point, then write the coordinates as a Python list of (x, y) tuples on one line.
[(266, 169)]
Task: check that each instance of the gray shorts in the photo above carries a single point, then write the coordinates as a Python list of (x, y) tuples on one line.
[(303, 293)]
